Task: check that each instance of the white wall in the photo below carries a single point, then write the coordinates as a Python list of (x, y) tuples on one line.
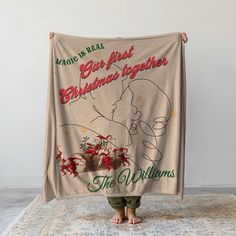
[(211, 85)]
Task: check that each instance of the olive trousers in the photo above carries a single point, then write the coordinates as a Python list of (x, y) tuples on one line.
[(120, 202)]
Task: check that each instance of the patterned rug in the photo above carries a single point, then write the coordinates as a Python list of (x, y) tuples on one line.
[(212, 214)]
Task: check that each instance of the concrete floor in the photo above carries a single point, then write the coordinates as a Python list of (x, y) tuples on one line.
[(14, 200)]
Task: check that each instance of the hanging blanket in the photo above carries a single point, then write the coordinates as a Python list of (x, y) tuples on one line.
[(115, 123)]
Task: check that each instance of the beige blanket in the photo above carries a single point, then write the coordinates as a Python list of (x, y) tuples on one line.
[(115, 123)]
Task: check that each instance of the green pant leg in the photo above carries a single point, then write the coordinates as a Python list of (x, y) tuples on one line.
[(116, 202), (133, 201)]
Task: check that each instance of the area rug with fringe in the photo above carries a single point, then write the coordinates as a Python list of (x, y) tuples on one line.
[(206, 214)]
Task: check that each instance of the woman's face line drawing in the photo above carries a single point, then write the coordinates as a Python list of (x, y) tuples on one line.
[(124, 106)]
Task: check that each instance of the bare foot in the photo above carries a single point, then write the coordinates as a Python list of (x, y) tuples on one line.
[(119, 216), (132, 218)]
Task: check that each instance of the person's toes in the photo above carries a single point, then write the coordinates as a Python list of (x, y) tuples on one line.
[(134, 220), (116, 220)]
